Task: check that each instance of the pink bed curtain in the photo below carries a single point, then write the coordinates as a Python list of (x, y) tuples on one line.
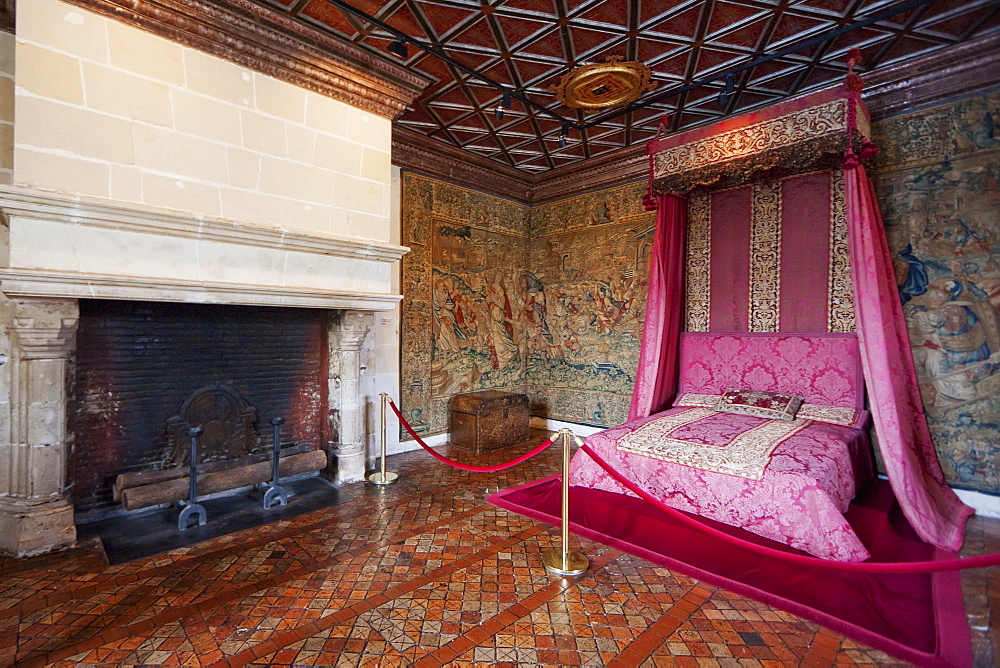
[(656, 377), (904, 438)]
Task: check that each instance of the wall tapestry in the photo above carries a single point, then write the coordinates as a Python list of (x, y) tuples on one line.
[(549, 302), (587, 279), (463, 311), (938, 189)]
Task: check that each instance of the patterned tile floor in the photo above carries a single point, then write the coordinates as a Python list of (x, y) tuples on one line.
[(423, 572)]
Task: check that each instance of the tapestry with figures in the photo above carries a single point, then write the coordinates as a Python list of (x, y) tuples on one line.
[(938, 181), (461, 324), (589, 274), (547, 301)]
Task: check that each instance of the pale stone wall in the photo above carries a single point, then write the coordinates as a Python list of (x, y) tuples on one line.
[(380, 356), (6, 176), (6, 107), (110, 111), (6, 378), (6, 315)]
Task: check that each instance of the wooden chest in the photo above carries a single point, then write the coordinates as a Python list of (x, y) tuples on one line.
[(483, 421)]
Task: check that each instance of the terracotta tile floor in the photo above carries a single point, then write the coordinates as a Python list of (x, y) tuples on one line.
[(423, 572)]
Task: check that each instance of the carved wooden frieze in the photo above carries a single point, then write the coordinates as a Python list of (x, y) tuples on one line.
[(411, 150), (609, 171), (943, 75), (265, 41)]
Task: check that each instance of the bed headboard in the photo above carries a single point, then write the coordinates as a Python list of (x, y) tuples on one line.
[(823, 368)]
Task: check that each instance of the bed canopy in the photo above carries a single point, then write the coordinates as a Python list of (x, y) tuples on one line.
[(766, 178)]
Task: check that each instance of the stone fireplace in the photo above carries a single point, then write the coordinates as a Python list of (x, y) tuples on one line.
[(172, 160), (59, 402)]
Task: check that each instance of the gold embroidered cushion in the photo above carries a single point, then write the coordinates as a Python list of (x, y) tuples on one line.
[(772, 405), (845, 417), (701, 400), (839, 415)]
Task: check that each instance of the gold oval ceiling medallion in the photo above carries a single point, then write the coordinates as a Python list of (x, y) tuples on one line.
[(604, 85)]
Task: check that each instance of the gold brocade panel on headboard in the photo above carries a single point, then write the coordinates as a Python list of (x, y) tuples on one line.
[(770, 256)]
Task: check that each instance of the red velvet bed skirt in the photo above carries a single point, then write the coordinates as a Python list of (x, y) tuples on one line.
[(916, 617)]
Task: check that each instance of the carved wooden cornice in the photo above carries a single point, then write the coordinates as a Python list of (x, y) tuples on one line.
[(957, 70), (412, 150), (606, 171), (266, 42)]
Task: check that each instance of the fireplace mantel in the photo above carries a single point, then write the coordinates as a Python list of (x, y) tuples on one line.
[(76, 285), (30, 203), (63, 246)]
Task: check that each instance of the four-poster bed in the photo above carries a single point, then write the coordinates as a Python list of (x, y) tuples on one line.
[(788, 480), (770, 252)]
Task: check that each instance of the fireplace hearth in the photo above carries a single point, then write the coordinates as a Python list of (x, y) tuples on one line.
[(148, 372), (122, 542)]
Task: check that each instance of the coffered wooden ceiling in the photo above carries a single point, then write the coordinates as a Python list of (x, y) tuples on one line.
[(528, 45)]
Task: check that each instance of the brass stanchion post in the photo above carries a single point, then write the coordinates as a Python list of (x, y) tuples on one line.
[(562, 561), (382, 477)]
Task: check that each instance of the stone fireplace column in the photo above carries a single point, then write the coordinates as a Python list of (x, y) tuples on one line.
[(35, 514), (347, 419)]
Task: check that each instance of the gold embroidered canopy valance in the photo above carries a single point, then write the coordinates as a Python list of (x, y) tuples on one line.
[(811, 132)]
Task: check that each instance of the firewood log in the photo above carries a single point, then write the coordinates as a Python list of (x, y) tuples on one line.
[(169, 491), (138, 478)]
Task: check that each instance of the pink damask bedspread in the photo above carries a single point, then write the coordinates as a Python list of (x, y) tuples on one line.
[(800, 501)]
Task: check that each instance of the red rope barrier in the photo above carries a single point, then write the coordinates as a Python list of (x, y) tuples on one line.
[(468, 467), (983, 561)]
